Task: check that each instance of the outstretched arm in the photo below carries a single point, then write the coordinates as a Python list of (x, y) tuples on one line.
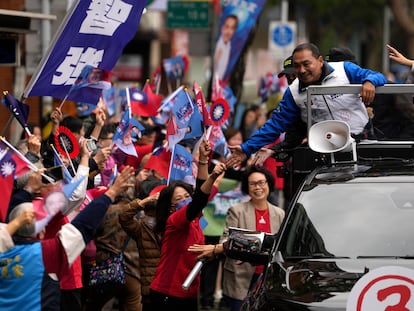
[(396, 56)]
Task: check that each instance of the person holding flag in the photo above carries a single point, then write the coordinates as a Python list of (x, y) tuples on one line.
[(51, 210), (28, 263), (177, 220)]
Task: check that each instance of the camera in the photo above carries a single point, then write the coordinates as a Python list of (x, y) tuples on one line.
[(91, 145)]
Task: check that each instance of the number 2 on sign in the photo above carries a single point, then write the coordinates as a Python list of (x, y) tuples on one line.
[(404, 293)]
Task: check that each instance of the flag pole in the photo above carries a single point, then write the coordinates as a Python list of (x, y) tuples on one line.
[(128, 98), (157, 90), (26, 129), (22, 157), (67, 154), (63, 101), (56, 153), (169, 168)]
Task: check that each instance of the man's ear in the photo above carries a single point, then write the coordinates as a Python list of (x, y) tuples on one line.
[(321, 59)]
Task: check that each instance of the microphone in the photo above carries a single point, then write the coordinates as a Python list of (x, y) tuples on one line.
[(191, 276)]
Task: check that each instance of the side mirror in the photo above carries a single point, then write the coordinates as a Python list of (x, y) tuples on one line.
[(249, 246), (297, 280)]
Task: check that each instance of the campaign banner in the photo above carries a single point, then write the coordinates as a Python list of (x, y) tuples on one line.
[(93, 33), (237, 20)]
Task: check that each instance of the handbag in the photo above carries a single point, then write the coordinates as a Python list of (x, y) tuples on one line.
[(110, 271)]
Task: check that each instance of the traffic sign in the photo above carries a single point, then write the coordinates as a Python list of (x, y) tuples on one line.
[(188, 15), (282, 38)]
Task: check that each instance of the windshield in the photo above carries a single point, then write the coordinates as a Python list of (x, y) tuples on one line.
[(352, 220)]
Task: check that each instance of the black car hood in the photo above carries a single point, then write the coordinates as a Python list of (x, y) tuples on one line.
[(315, 284)]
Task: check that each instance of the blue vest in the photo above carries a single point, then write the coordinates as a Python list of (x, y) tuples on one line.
[(21, 278)]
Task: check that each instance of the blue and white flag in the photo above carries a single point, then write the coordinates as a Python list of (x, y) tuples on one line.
[(181, 165), (92, 33), (123, 134), (109, 98)]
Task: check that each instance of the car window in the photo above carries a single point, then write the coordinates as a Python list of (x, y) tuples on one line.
[(352, 220)]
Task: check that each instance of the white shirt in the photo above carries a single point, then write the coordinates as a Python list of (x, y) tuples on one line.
[(222, 62)]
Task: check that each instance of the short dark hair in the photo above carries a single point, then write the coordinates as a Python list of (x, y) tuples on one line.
[(234, 17), (308, 46), (107, 129), (74, 124), (256, 169)]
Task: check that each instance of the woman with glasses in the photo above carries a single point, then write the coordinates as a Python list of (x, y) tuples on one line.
[(256, 214)]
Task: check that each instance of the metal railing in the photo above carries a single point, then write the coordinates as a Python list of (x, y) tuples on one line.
[(352, 89)]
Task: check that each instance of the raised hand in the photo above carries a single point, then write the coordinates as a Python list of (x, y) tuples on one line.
[(121, 183), (262, 155), (237, 156)]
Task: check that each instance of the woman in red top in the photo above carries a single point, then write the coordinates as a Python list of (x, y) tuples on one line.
[(178, 214), (258, 214)]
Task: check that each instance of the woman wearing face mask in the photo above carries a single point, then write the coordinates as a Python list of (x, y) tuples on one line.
[(178, 214)]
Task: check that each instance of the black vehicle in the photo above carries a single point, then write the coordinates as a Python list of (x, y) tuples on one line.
[(347, 219)]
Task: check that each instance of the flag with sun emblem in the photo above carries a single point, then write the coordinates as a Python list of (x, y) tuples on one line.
[(219, 112), (10, 166)]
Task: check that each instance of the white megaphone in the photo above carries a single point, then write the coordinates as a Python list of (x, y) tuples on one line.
[(331, 136)]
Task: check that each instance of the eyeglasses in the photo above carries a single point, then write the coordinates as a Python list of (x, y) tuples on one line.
[(260, 183)]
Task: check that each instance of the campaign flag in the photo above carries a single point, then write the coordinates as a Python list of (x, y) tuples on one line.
[(159, 161), (195, 125), (19, 110), (136, 128), (218, 141), (11, 166), (156, 79), (219, 111), (67, 177), (237, 20), (201, 104), (175, 67), (123, 134), (55, 201), (174, 134), (184, 120), (93, 33), (84, 109), (182, 108), (164, 111), (109, 98), (69, 188), (181, 165), (90, 84), (114, 175), (92, 77)]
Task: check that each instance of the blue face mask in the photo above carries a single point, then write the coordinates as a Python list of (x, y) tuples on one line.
[(182, 203)]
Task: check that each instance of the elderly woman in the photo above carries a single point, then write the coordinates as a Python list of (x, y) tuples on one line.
[(178, 215), (258, 215)]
